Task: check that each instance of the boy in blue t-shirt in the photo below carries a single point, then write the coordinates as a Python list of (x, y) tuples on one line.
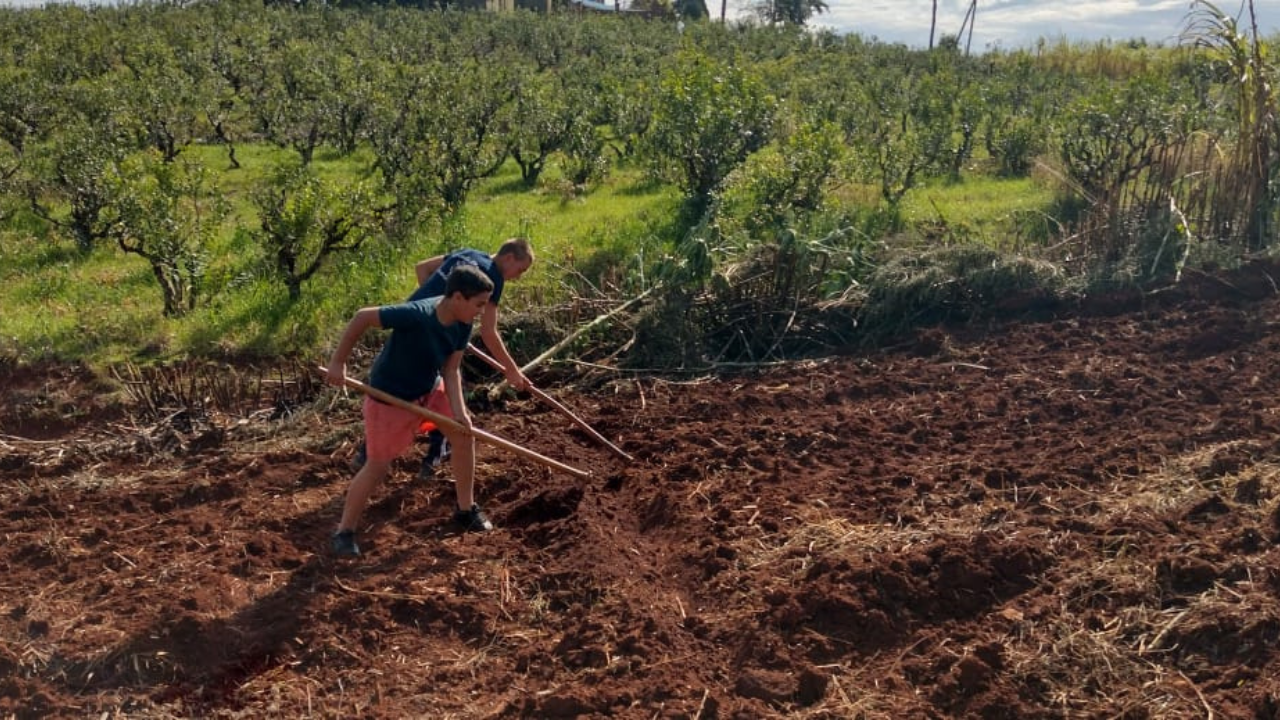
[(427, 341), (513, 258)]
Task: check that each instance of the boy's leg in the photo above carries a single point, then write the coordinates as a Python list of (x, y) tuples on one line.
[(357, 460), (463, 463), (463, 458), (438, 451), (468, 514), (362, 486), (388, 430)]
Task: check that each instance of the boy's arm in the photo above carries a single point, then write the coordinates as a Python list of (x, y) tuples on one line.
[(493, 341), (452, 374), (426, 268), (364, 319)]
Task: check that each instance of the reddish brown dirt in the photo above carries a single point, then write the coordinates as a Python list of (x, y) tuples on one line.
[(1070, 516)]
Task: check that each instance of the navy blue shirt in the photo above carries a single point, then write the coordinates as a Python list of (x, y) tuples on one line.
[(410, 362), (435, 285)]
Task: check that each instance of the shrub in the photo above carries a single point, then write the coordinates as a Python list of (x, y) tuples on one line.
[(708, 118), (167, 213), (787, 177)]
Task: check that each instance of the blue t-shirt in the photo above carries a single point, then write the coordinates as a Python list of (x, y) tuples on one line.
[(410, 362), (435, 285)]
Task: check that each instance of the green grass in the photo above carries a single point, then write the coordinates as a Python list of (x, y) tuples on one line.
[(626, 215), (63, 304), (1000, 212), (105, 307)]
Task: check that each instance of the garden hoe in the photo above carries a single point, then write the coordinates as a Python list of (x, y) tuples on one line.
[(558, 406), (448, 422)]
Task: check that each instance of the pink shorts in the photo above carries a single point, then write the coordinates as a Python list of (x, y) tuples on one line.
[(388, 430)]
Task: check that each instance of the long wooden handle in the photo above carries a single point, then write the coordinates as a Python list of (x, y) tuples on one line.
[(557, 405), (448, 422)]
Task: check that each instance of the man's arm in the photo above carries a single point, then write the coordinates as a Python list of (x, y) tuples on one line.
[(493, 341), (364, 319), (426, 268)]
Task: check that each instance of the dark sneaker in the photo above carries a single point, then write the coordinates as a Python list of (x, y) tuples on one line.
[(473, 520), (344, 544), (358, 461)]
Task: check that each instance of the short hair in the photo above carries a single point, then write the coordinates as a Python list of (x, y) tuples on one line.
[(468, 280), (519, 247)]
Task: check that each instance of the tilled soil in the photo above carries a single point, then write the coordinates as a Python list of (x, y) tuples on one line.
[(1068, 516)]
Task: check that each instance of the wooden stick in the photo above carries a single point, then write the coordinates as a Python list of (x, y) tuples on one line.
[(574, 335), (557, 405), (448, 422)]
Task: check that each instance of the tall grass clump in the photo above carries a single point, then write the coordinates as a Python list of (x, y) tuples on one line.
[(1242, 201)]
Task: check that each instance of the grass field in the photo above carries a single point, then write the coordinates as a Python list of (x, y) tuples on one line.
[(104, 306)]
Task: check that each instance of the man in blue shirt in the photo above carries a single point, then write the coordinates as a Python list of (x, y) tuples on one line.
[(510, 262), (513, 258), (428, 338)]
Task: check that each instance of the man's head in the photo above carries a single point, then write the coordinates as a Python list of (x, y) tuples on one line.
[(514, 257), (468, 288)]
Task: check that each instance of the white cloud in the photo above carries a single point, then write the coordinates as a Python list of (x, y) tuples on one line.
[(1019, 23)]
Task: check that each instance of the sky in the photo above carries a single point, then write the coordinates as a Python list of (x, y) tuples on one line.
[(1011, 24), (1006, 24)]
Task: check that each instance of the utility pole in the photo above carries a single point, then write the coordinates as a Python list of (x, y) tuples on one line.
[(969, 18), (933, 24), (973, 20)]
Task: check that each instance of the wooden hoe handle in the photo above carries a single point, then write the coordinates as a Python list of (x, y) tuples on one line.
[(448, 422), (557, 405)]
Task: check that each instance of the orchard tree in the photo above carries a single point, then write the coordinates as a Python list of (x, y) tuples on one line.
[(356, 85), (166, 213), (546, 114), (708, 117), (236, 52), (900, 125), (432, 151), (582, 153), (472, 106), (1108, 137), (163, 98), (790, 175), (26, 107), (1018, 102), (26, 114), (306, 220), (299, 97), (627, 111), (64, 176)]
